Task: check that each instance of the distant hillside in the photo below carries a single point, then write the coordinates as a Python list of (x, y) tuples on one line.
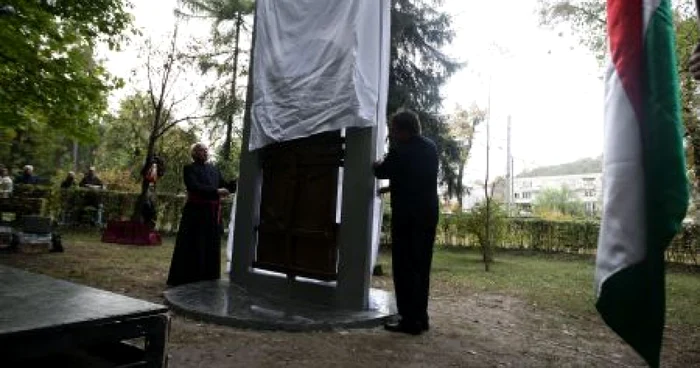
[(583, 166)]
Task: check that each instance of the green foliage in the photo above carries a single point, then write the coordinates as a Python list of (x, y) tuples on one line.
[(34, 146), (221, 57), (586, 20), (48, 77), (116, 205), (174, 148), (575, 237), (487, 222), (475, 222), (124, 143), (229, 168), (419, 69), (553, 236), (561, 202)]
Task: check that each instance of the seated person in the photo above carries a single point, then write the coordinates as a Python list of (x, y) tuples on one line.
[(69, 181), (5, 183), (92, 199), (90, 179), (27, 176)]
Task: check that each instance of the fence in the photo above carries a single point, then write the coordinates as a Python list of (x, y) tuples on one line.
[(576, 237), (70, 203)]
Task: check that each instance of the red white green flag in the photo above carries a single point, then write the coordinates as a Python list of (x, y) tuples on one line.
[(644, 176)]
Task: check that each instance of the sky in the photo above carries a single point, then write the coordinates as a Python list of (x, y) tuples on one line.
[(549, 85)]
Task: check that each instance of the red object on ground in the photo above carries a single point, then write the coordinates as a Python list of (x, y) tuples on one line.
[(130, 232)]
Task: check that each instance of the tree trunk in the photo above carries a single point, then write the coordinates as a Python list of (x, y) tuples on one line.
[(143, 196), (230, 119), (460, 189), (15, 151)]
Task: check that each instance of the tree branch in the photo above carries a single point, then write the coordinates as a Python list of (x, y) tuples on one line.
[(151, 92), (166, 127)]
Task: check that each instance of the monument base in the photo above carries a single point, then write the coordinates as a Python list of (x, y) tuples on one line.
[(224, 303)]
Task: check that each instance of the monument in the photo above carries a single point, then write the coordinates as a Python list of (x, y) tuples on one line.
[(307, 214)]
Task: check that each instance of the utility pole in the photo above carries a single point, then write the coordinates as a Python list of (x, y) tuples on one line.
[(511, 185), (487, 224), (509, 172)]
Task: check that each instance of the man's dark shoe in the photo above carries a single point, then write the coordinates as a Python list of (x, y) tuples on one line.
[(404, 327), (425, 326)]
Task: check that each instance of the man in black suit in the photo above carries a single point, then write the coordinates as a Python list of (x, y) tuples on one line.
[(412, 169)]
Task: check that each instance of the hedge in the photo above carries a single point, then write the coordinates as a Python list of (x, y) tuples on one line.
[(69, 203), (577, 237)]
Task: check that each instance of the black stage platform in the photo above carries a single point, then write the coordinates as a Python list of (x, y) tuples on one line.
[(44, 320)]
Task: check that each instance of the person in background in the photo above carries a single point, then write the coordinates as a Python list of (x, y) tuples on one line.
[(90, 179), (197, 254), (27, 176), (69, 181), (412, 169), (5, 183), (91, 199)]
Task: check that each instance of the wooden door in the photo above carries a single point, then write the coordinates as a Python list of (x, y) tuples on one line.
[(298, 232)]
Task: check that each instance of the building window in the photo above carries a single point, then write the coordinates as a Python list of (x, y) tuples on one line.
[(526, 195), (591, 207), (589, 193), (517, 195)]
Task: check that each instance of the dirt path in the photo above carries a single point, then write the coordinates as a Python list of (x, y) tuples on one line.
[(468, 328), (479, 331)]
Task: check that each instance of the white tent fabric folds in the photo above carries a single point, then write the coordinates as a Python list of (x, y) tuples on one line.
[(320, 65)]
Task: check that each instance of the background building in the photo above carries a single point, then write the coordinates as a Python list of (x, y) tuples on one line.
[(588, 188)]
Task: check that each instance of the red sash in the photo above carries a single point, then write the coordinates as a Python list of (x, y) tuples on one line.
[(215, 204)]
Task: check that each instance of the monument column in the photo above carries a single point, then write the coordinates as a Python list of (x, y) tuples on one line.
[(355, 237)]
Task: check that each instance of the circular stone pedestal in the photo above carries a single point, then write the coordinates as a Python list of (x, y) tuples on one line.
[(223, 303)]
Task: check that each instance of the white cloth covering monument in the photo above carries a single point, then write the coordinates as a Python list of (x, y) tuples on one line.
[(307, 216)]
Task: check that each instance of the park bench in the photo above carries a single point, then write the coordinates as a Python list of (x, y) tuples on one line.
[(11, 209), (23, 228)]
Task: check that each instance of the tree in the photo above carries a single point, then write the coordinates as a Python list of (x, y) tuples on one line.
[(558, 203), (487, 222), (588, 22), (164, 69), (229, 21), (48, 76), (463, 124), (125, 138), (418, 69), (40, 148)]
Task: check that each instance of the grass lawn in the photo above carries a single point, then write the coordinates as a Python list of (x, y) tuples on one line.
[(531, 309), (562, 282), (559, 281)]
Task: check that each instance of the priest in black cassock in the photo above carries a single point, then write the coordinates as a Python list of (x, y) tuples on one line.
[(197, 254)]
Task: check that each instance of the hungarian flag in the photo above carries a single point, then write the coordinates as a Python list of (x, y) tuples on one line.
[(644, 183)]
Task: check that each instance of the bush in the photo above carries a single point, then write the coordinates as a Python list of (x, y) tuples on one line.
[(576, 237), (115, 205), (475, 223)]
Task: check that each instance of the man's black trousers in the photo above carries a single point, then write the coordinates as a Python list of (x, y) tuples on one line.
[(411, 255)]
